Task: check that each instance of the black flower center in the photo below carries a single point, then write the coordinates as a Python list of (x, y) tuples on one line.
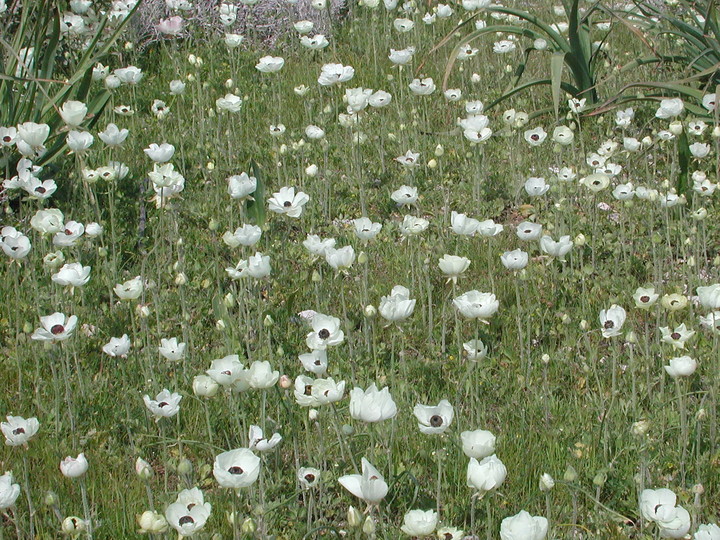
[(57, 329), (609, 324), (235, 470), (308, 389), (19, 431), (7, 139), (287, 204), (324, 333), (675, 335), (535, 137), (645, 299), (226, 372), (40, 189), (436, 420), (185, 519), (310, 478), (163, 404)]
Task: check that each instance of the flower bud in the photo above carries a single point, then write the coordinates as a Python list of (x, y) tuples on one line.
[(204, 386), (362, 258), (547, 482), (675, 127), (220, 325), (545, 358), (354, 517), (640, 428), (180, 279), (370, 311), (631, 337), (600, 478), (583, 325), (268, 321), (369, 526), (432, 164), (579, 240), (185, 466), (570, 474), (313, 414), (213, 225), (285, 382), (229, 300), (143, 469), (716, 132), (248, 526), (73, 525), (316, 277), (51, 498), (152, 523), (439, 150)]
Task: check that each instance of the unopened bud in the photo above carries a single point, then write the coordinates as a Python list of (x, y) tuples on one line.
[(369, 526), (185, 466), (248, 526), (285, 382), (547, 482), (313, 414), (354, 517), (570, 474)]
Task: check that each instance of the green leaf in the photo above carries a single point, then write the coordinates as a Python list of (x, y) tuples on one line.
[(683, 184), (557, 60)]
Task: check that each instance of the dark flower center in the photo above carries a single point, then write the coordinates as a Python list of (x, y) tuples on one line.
[(448, 536), (436, 420), (609, 324), (226, 372), (19, 431), (308, 389), (68, 232), (310, 478), (235, 470), (645, 299), (7, 138), (40, 189), (163, 404), (535, 137), (287, 204), (324, 333), (675, 335), (185, 519), (318, 363), (57, 329)]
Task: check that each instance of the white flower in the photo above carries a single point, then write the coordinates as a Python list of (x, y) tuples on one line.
[(681, 366), (326, 332), (487, 474), (258, 442), (478, 444), (55, 327), (405, 196), (398, 306), (372, 405), (369, 486), (332, 74), (171, 350), (612, 320), (422, 87), (270, 64), (165, 404), (286, 201), (670, 108), (434, 419), (365, 229), (9, 492), (523, 526), (18, 431), (117, 347), (412, 225), (419, 522), (74, 467)]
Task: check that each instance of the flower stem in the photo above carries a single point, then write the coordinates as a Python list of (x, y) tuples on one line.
[(86, 509)]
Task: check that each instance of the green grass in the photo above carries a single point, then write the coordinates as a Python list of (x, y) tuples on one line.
[(547, 416)]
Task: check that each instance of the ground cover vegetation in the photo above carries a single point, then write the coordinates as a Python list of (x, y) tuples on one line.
[(445, 270)]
